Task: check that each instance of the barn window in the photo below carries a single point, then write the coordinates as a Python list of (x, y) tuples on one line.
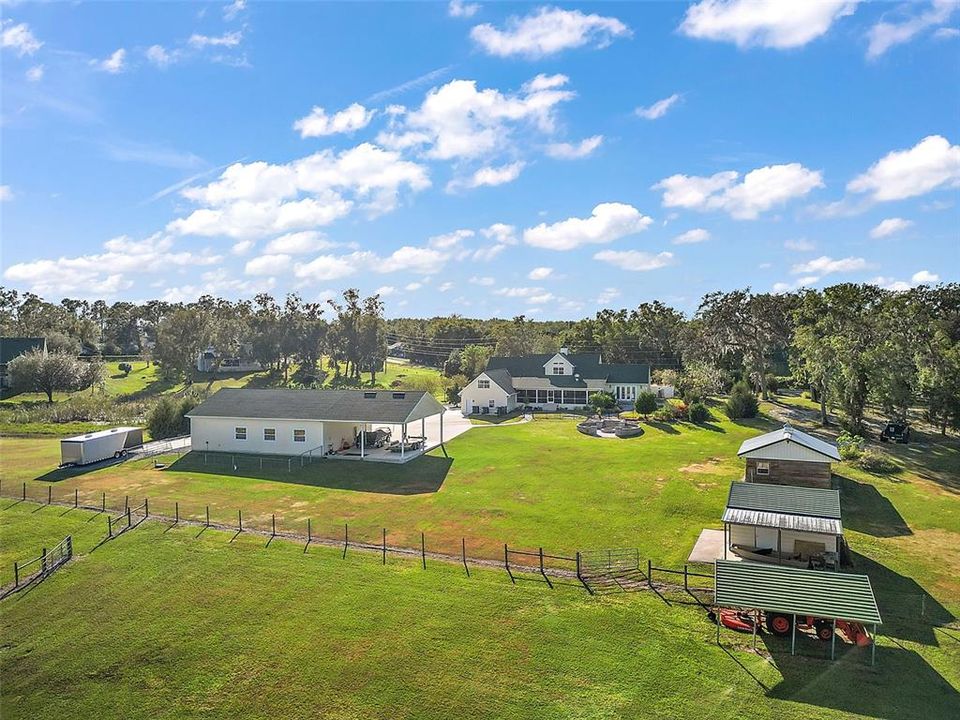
[(763, 468), (270, 434), (370, 395), (483, 384), (240, 433), (299, 435)]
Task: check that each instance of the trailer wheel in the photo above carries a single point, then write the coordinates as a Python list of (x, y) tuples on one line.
[(824, 630), (119, 454), (779, 624)]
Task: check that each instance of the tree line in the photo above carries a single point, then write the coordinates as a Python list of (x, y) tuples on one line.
[(849, 344)]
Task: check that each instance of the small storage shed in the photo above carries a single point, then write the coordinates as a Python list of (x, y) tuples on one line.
[(798, 593), (789, 457), (795, 526), (93, 447)]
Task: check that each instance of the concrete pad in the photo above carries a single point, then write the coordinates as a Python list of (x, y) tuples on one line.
[(709, 547)]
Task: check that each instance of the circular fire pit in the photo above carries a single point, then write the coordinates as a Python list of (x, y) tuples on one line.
[(610, 428)]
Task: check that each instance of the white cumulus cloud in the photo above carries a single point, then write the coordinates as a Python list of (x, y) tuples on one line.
[(930, 164), (35, 74), (548, 31), (697, 235), (228, 40), (19, 38), (348, 120), (771, 24), (575, 151), (825, 265), (658, 109), (461, 9), (903, 27), (114, 64), (890, 226), (925, 277), (298, 243), (273, 264), (607, 222), (488, 176), (759, 191), (540, 273)]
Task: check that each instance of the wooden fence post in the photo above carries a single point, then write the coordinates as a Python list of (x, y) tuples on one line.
[(685, 586), (423, 550), (384, 546), (346, 540), (128, 516), (16, 574), (506, 563), (309, 532), (543, 572), (76, 497), (43, 561), (24, 491), (273, 525), (126, 502), (146, 507), (650, 573), (109, 526), (240, 519), (103, 502), (176, 519), (69, 546), (463, 546), (49, 494), (208, 516)]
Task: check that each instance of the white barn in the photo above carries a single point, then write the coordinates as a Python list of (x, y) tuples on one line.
[(321, 423)]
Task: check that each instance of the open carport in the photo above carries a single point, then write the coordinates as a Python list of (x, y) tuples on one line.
[(798, 594)]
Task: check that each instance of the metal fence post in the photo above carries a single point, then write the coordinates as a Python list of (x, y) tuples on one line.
[(423, 550), (76, 497), (309, 532), (176, 510), (16, 574), (506, 563), (650, 573), (43, 561), (69, 546), (208, 516), (109, 526), (346, 539), (463, 547), (685, 586), (126, 502), (384, 546), (24, 491), (103, 502), (128, 517)]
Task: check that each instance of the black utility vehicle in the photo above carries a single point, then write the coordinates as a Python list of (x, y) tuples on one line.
[(895, 431)]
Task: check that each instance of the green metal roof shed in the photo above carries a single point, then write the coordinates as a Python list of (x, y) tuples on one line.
[(829, 595), (793, 500)]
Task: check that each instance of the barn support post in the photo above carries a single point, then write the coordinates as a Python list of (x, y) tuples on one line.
[(793, 636), (873, 647), (403, 440), (423, 430), (833, 641), (726, 528), (463, 550)]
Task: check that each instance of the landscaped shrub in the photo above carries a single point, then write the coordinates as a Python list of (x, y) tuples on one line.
[(664, 414), (773, 383), (850, 446), (646, 403), (166, 419), (698, 413), (125, 367), (877, 462), (602, 401), (742, 403)]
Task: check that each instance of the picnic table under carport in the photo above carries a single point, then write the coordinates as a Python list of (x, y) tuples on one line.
[(797, 592)]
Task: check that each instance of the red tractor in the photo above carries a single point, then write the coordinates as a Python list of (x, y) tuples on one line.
[(781, 624)]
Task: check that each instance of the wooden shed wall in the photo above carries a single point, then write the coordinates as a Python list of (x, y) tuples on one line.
[(791, 472)]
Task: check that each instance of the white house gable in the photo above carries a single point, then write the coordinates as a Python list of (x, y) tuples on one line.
[(558, 365)]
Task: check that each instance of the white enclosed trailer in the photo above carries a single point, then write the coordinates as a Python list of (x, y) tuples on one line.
[(93, 447)]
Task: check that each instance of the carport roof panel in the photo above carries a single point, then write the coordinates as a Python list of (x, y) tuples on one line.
[(378, 406), (784, 521), (793, 500), (824, 594)]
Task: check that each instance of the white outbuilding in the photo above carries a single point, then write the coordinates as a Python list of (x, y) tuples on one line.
[(360, 424)]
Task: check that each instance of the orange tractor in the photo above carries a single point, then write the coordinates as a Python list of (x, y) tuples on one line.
[(782, 624)]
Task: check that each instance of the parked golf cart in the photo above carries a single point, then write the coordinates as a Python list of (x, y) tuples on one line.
[(895, 431)]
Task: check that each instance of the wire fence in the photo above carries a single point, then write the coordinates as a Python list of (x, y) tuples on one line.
[(596, 571), (26, 572)]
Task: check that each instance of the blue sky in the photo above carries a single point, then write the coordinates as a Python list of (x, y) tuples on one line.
[(488, 159)]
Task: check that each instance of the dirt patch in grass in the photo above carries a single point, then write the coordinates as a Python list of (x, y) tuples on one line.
[(710, 466)]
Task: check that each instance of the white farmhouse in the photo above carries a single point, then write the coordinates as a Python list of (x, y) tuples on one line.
[(558, 381)]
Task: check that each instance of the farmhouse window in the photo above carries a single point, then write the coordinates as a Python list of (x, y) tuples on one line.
[(483, 384), (299, 435), (269, 433), (492, 403), (559, 369), (763, 468), (240, 433)]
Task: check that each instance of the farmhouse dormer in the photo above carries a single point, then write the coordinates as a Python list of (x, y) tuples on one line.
[(559, 364)]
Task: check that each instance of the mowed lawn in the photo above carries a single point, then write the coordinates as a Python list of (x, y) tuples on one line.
[(529, 485), (166, 623)]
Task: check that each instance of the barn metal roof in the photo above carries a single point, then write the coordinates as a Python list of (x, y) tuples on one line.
[(789, 499), (803, 523), (378, 406), (790, 434), (830, 595)]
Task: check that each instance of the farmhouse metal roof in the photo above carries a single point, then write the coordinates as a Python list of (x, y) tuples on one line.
[(586, 365), (14, 347), (830, 595), (789, 434), (814, 502), (377, 406), (783, 521), (502, 378)]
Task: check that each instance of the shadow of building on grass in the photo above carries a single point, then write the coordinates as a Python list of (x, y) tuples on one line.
[(420, 476), (867, 511), (901, 686)]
